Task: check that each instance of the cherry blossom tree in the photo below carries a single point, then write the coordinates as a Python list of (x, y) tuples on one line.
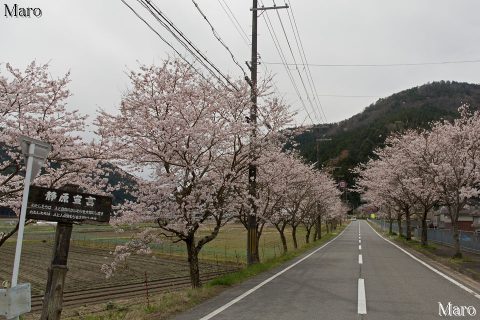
[(380, 182), (34, 104), (194, 135), (412, 151), (452, 161)]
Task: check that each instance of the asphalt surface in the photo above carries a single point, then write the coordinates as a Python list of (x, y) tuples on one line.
[(333, 282)]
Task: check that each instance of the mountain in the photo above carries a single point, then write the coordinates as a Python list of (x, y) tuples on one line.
[(341, 146)]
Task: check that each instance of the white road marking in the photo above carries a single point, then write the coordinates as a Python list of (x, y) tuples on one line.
[(455, 282), (359, 247), (360, 259), (362, 300), (258, 286), (359, 241)]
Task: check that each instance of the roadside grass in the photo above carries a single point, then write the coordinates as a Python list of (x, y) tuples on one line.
[(165, 305)]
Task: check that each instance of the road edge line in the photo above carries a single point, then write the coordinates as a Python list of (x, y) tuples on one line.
[(264, 282), (455, 282)]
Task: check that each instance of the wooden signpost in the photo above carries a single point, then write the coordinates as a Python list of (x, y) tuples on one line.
[(65, 206)]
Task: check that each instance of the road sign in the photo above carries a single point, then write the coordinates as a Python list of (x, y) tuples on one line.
[(39, 155), (15, 301), (342, 184), (67, 206)]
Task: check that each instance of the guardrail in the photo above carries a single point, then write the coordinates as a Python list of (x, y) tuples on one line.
[(469, 241)]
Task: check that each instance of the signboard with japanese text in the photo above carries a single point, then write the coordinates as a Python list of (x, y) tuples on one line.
[(67, 206)]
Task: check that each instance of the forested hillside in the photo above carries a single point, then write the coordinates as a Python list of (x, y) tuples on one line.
[(354, 139)]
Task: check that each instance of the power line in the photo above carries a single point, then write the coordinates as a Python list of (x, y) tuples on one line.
[(234, 21), (217, 36), (278, 47), (346, 96), (184, 41), (304, 60), (241, 31), (380, 64), (314, 109), (296, 66), (165, 40)]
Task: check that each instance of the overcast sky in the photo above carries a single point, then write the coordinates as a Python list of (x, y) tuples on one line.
[(99, 40)]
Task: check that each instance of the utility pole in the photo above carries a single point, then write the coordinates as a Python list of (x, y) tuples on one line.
[(318, 223), (252, 240)]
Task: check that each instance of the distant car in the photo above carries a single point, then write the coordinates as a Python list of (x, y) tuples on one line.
[(353, 218)]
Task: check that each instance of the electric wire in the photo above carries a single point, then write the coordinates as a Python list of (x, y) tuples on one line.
[(217, 36), (282, 57), (184, 41), (382, 64), (234, 21), (241, 31), (165, 41), (315, 112), (309, 72)]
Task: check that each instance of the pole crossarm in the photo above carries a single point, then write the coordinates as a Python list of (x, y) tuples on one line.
[(270, 8)]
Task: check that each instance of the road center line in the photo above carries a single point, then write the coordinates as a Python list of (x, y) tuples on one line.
[(359, 241), (359, 247), (455, 282), (362, 300), (261, 284), (360, 259)]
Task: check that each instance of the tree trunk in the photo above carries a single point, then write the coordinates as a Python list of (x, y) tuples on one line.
[(399, 222), (456, 240), (390, 227), (307, 236), (256, 253), (319, 227), (9, 234), (424, 230), (409, 226), (284, 241), (326, 226), (281, 231), (294, 236), (193, 262)]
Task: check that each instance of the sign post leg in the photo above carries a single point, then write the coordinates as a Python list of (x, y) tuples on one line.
[(23, 213), (53, 299)]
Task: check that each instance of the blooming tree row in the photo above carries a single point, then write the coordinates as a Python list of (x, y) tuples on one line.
[(292, 193), (195, 136), (421, 169)]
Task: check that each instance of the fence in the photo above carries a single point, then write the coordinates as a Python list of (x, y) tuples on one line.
[(469, 241)]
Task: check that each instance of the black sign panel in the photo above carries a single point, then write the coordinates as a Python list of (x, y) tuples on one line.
[(67, 206)]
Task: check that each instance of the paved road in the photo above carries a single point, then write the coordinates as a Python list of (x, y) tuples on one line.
[(358, 275)]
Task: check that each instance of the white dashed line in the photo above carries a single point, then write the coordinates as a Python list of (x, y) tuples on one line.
[(360, 259), (362, 300), (360, 247)]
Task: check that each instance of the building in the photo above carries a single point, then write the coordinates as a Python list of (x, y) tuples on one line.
[(469, 219)]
